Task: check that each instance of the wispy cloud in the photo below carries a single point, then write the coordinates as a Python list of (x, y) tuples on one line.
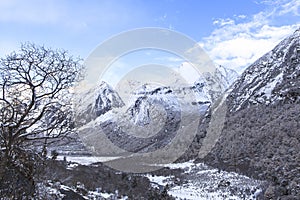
[(170, 59), (74, 25), (223, 22), (73, 15), (238, 41), (291, 7), (188, 72), (31, 11), (283, 6)]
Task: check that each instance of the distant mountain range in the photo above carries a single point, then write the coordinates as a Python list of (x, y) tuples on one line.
[(103, 98), (152, 108)]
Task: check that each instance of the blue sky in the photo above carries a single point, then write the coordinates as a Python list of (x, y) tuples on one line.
[(233, 32)]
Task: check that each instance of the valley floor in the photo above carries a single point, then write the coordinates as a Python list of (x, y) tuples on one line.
[(186, 181)]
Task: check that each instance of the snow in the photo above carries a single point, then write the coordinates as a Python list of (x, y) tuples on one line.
[(267, 90), (85, 160), (98, 193), (186, 165), (178, 98), (102, 118), (203, 182), (257, 83), (192, 193), (95, 194), (72, 165), (159, 180), (64, 187), (97, 100), (143, 100), (53, 190)]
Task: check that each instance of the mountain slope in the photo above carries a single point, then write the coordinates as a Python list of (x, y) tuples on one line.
[(261, 133), (272, 78)]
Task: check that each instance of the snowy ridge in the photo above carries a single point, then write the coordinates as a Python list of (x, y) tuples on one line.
[(103, 98), (106, 99), (202, 93), (148, 108), (96, 102), (272, 78), (214, 85), (205, 91)]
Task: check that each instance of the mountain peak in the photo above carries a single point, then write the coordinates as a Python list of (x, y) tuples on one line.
[(297, 31), (97, 101), (103, 85)]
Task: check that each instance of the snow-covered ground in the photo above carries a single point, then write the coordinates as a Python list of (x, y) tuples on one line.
[(200, 181), (56, 190), (204, 182), (86, 160)]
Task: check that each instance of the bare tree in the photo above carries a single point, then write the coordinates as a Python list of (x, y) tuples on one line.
[(35, 98)]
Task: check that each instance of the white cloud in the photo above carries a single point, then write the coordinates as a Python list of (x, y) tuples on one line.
[(291, 7), (223, 22), (284, 6), (236, 44), (188, 72), (170, 59), (242, 16), (72, 15)]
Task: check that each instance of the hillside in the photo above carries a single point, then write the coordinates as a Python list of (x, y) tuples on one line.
[(261, 134)]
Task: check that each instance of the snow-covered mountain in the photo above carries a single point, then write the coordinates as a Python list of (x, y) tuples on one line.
[(205, 91), (150, 109), (97, 101), (106, 99), (272, 78), (214, 85), (103, 98)]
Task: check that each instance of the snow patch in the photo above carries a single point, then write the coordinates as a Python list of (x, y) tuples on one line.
[(85, 160), (267, 90)]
